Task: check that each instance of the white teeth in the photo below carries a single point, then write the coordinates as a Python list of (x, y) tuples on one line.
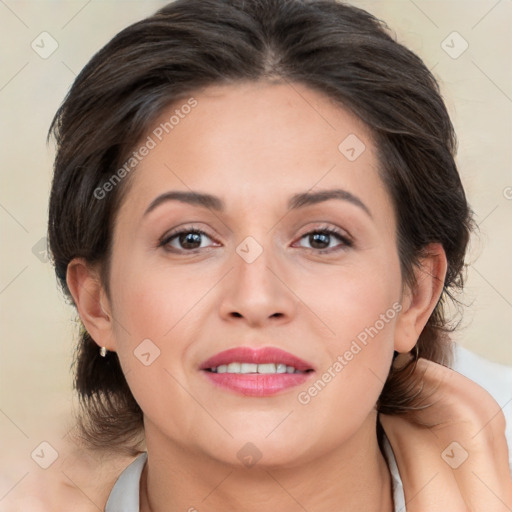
[(248, 368), (267, 368), (244, 368), (233, 368)]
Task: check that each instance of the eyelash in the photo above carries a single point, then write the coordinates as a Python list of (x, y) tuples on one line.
[(346, 242)]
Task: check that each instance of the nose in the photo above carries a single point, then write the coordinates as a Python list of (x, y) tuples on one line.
[(257, 292)]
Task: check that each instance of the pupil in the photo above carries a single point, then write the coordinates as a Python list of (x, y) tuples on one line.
[(190, 239), (321, 238)]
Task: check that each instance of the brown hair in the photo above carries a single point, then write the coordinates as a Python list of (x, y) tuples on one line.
[(333, 48)]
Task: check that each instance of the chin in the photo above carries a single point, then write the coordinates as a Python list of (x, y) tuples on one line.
[(249, 452)]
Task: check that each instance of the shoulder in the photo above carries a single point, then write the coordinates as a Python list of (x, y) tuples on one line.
[(79, 480)]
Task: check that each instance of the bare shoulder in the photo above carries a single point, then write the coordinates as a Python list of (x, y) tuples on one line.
[(79, 480)]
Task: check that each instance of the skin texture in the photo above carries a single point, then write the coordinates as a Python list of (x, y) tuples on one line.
[(254, 146)]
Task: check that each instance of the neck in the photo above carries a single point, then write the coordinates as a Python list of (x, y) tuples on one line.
[(354, 476)]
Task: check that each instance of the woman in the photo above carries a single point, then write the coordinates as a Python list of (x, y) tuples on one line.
[(257, 213)]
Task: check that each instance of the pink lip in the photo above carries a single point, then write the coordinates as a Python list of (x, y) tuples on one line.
[(258, 356), (252, 384)]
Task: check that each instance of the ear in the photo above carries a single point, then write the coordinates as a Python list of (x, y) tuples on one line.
[(419, 301), (91, 301)]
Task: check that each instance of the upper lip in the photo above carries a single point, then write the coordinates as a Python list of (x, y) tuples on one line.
[(256, 355)]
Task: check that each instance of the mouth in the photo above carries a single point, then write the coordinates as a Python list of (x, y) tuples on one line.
[(256, 372), (262, 369)]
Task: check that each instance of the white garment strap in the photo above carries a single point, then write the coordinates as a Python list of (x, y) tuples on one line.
[(124, 496)]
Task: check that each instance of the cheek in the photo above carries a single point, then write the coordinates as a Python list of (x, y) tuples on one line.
[(155, 300), (360, 306), (357, 359), (152, 336), (157, 312), (352, 298)]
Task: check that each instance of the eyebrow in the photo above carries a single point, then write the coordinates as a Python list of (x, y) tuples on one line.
[(295, 202), (310, 198)]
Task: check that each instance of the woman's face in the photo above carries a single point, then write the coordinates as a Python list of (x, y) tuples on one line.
[(259, 277)]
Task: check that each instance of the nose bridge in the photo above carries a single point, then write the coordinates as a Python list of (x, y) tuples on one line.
[(256, 291), (252, 263)]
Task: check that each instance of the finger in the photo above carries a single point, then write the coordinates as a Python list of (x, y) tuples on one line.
[(480, 467)]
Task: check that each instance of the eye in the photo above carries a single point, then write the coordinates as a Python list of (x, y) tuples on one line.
[(324, 240), (185, 240)]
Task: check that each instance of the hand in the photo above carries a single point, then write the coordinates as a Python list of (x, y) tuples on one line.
[(461, 464)]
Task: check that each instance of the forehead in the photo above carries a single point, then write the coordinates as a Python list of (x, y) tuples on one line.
[(257, 140)]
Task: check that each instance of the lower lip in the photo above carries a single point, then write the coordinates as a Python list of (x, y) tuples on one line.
[(257, 384)]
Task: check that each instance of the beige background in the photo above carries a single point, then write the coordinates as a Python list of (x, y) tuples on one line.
[(37, 332)]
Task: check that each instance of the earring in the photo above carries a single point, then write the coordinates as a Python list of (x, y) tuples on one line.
[(103, 351)]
